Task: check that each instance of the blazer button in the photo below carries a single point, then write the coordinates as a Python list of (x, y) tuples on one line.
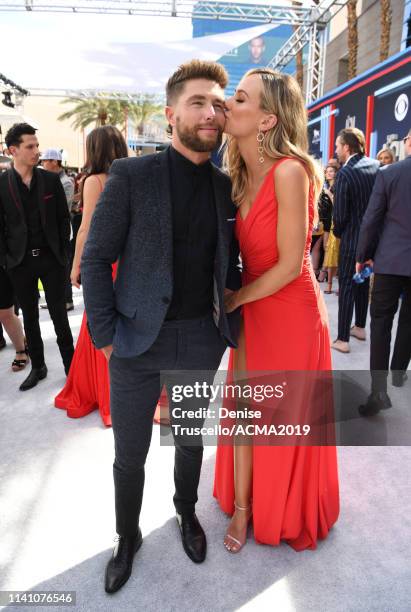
[(165, 300)]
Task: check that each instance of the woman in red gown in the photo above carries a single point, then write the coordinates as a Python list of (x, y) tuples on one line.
[(87, 387), (291, 492)]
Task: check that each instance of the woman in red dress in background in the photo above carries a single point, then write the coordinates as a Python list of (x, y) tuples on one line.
[(291, 492), (88, 387)]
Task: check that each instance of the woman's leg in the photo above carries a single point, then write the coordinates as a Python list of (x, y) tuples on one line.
[(14, 329), (316, 254), (243, 467), (323, 275), (330, 275)]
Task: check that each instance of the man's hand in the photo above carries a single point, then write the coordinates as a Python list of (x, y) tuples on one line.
[(107, 350), (360, 266)]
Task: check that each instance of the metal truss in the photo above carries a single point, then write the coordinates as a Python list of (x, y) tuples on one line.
[(312, 33), (203, 9), (12, 93), (310, 23), (8, 85), (133, 98)]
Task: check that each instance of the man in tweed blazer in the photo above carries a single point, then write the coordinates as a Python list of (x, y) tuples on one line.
[(168, 220), (352, 191)]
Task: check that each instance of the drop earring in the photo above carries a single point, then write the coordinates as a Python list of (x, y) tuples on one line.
[(260, 148)]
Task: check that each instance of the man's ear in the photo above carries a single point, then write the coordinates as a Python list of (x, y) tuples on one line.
[(268, 122), (169, 113)]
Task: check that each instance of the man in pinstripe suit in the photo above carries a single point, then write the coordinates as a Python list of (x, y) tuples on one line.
[(352, 190)]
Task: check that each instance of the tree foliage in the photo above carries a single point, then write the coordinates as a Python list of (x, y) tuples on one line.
[(106, 109), (352, 23), (385, 20)]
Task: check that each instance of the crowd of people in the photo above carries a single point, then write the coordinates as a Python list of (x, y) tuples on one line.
[(351, 195), (179, 260)]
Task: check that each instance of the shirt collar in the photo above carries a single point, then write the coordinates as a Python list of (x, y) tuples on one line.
[(183, 164), (353, 155), (20, 180)]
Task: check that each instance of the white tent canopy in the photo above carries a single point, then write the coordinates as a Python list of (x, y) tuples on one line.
[(126, 67)]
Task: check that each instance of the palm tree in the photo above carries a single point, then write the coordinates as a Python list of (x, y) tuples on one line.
[(142, 111), (106, 109), (86, 111), (352, 24), (299, 71), (385, 21)]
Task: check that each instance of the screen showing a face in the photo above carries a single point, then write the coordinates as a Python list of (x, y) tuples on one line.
[(255, 52)]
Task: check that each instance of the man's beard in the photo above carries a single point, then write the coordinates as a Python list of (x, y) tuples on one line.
[(189, 138)]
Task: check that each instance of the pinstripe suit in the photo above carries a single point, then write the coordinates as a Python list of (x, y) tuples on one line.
[(352, 191)]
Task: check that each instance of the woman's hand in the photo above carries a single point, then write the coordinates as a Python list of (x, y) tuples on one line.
[(75, 276), (231, 300)]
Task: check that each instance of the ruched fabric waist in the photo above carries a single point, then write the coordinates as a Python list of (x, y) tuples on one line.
[(303, 289)]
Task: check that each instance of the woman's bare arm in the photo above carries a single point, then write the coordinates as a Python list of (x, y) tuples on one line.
[(91, 194), (292, 189)]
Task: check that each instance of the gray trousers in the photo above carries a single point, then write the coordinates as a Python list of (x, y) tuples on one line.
[(135, 387)]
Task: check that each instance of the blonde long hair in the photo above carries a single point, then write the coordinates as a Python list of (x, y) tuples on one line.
[(281, 95)]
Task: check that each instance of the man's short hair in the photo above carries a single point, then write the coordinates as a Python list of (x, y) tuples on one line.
[(354, 138), (195, 69), (14, 136)]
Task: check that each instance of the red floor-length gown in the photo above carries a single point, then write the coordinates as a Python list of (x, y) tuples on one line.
[(88, 385), (295, 492)]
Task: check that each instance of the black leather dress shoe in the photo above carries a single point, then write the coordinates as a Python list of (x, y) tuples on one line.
[(118, 569), (376, 401), (33, 378), (192, 536), (399, 378)]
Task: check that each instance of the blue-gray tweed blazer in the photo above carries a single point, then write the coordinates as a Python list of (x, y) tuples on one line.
[(132, 224)]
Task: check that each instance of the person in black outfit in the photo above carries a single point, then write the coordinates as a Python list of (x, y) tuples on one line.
[(34, 242), (318, 242), (169, 221), (385, 238)]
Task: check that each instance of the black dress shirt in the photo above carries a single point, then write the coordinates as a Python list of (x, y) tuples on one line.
[(29, 198), (194, 237)]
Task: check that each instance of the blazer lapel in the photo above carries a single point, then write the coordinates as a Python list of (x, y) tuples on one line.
[(222, 228), (15, 193), (161, 180), (40, 195)]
